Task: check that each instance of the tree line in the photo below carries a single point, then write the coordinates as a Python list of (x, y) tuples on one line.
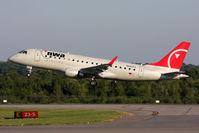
[(46, 86)]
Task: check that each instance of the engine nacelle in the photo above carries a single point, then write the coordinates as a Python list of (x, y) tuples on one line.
[(151, 75), (71, 72)]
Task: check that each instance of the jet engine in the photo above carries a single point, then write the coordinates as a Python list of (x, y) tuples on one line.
[(71, 72)]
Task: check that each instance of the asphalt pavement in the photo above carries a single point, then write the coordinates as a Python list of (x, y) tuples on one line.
[(170, 118)]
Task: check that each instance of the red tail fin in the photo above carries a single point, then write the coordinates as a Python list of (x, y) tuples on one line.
[(175, 58)]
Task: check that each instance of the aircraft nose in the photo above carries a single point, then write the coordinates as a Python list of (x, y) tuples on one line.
[(12, 58)]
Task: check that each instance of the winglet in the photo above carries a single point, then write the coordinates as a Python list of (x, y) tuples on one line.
[(111, 63)]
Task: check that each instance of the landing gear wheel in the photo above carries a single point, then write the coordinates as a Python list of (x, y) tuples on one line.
[(113, 83), (29, 69), (93, 82)]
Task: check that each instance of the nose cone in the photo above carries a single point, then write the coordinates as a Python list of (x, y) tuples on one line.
[(13, 58)]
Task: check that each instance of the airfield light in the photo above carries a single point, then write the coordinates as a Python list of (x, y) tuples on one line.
[(157, 101), (5, 101)]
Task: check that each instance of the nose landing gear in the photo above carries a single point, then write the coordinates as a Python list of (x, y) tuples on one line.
[(29, 69)]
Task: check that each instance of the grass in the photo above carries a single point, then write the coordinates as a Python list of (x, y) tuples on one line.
[(57, 116)]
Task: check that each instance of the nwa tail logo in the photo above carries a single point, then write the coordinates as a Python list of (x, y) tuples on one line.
[(177, 60), (50, 54)]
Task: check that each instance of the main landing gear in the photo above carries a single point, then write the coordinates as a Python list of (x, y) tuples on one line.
[(113, 83), (29, 69), (93, 82)]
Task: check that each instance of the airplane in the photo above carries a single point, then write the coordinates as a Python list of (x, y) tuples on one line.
[(75, 66)]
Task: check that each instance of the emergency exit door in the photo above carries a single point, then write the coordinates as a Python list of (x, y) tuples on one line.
[(141, 72), (37, 55)]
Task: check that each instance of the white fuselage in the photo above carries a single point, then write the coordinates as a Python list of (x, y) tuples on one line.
[(71, 65)]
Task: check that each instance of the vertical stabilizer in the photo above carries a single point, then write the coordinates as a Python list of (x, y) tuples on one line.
[(175, 58)]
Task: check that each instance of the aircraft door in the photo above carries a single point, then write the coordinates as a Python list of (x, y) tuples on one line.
[(141, 71), (37, 55)]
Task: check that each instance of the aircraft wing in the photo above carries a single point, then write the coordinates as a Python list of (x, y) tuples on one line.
[(95, 70)]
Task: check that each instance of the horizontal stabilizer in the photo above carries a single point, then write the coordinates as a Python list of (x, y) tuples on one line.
[(176, 75), (173, 73)]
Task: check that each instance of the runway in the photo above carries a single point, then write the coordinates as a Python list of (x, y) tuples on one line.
[(171, 118)]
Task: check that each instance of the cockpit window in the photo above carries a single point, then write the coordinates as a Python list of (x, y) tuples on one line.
[(23, 52)]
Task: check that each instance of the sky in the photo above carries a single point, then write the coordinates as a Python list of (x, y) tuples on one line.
[(141, 31)]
